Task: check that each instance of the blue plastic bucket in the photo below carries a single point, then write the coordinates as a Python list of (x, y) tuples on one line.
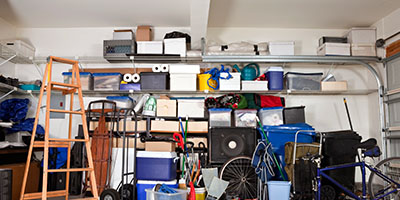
[(278, 190)]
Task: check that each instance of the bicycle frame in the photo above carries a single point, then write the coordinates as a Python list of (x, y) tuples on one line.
[(383, 193)]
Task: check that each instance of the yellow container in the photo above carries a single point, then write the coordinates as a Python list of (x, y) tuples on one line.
[(200, 193), (202, 80)]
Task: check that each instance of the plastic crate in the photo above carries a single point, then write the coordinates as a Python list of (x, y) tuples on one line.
[(152, 195), (106, 81), (294, 115), (154, 81), (245, 117), (303, 81), (121, 101), (220, 117), (142, 185), (86, 79), (156, 166), (271, 116)]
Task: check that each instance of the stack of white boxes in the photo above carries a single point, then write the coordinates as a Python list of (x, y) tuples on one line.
[(362, 41), (183, 77)]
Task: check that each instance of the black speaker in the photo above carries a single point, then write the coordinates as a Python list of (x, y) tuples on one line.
[(229, 142)]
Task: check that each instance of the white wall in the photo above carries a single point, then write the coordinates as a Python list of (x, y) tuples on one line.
[(7, 31)]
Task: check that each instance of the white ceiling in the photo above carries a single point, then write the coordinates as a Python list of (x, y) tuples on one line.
[(95, 13), (176, 13), (299, 13)]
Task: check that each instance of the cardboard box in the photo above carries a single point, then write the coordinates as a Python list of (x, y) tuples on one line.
[(150, 47), (143, 33), (334, 86), (18, 175), (118, 143), (164, 126), (166, 108), (126, 34), (175, 46), (198, 127), (160, 146), (94, 124), (130, 126)]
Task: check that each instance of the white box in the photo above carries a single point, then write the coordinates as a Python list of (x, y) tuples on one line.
[(123, 35), (191, 108), (361, 35), (184, 69), (232, 84), (254, 85), (281, 48), (175, 46), (183, 82), (149, 47), (20, 47), (363, 50), (338, 49)]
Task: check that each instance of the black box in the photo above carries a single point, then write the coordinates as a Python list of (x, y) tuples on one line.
[(327, 39), (154, 81), (294, 115)]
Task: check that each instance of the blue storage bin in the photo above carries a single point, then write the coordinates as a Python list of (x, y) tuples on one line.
[(278, 190), (142, 185), (275, 78), (156, 166)]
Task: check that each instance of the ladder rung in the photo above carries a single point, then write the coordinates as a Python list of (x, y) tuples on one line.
[(68, 140), (64, 90), (66, 111), (38, 195), (64, 84), (70, 170), (51, 144)]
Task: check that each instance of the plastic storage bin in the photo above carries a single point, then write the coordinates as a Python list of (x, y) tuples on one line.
[(156, 166), (154, 81), (142, 185), (152, 195), (337, 148), (220, 117), (106, 81), (278, 190), (232, 84), (294, 115), (193, 108), (271, 116), (275, 78), (121, 101), (303, 81), (86, 79), (245, 117)]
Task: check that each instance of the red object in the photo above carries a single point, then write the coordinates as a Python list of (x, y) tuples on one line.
[(178, 138), (192, 194), (266, 101)]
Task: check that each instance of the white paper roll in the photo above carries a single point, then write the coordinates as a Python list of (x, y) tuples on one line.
[(135, 78), (164, 68), (156, 68), (127, 78)]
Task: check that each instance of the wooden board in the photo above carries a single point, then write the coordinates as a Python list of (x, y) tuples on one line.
[(393, 49)]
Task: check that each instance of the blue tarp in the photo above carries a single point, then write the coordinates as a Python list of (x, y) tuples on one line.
[(13, 110), (27, 125)]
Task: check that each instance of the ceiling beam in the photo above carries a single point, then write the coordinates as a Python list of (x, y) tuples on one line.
[(199, 12)]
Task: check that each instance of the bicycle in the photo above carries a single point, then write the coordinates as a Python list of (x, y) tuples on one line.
[(384, 181)]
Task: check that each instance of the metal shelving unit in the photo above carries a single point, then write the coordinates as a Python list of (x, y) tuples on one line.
[(9, 55), (8, 89)]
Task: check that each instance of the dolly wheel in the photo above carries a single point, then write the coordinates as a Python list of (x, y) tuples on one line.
[(109, 194), (127, 193), (327, 192)]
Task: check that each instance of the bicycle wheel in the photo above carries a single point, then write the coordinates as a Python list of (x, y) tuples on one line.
[(241, 176), (377, 186)]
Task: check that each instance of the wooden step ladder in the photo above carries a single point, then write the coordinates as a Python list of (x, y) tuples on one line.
[(49, 86)]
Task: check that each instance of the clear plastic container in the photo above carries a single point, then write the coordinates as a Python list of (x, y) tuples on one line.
[(106, 81), (271, 116), (278, 190), (303, 81), (153, 195), (121, 101), (245, 117), (86, 79), (220, 117)]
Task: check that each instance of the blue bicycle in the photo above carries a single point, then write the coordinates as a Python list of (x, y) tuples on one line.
[(384, 180)]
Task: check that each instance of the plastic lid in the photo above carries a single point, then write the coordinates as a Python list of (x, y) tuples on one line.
[(275, 69), (120, 98), (299, 73), (156, 154), (80, 73), (173, 182), (285, 183), (271, 108), (220, 109), (106, 74)]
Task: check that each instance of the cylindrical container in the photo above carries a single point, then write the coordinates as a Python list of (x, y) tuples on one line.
[(275, 78), (200, 193), (203, 79), (278, 190)]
